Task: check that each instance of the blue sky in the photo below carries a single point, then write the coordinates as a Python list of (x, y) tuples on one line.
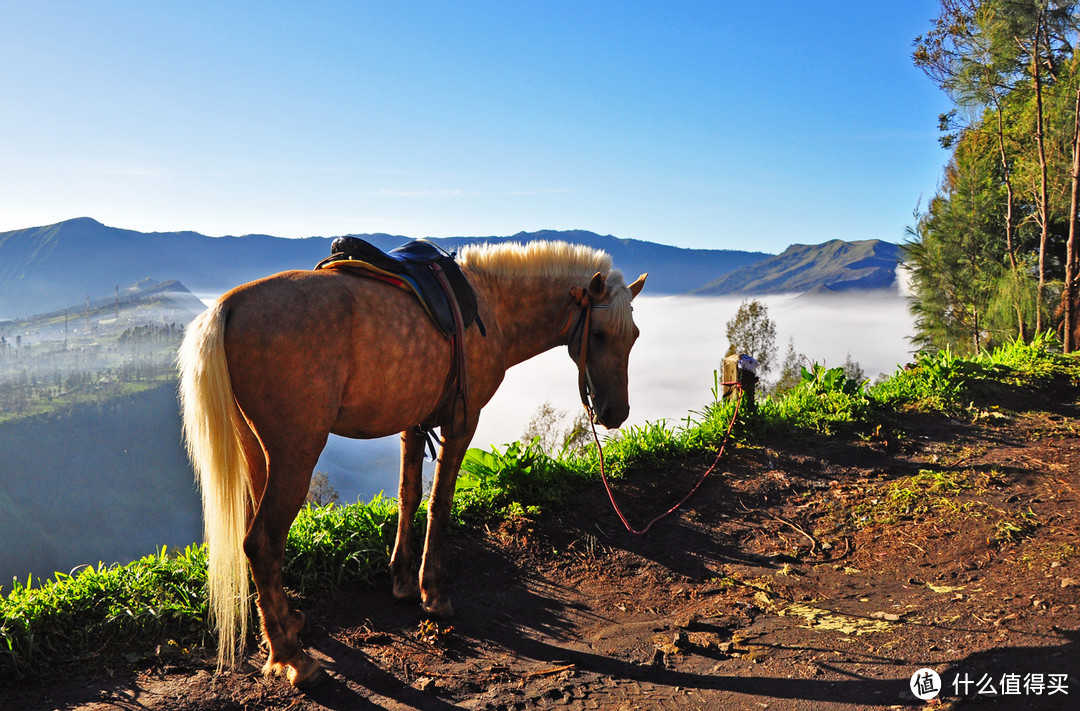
[(697, 124)]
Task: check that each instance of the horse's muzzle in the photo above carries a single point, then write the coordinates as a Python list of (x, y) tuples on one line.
[(611, 416)]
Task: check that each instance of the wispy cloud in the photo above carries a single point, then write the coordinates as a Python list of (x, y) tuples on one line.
[(129, 172), (309, 168), (151, 172), (457, 192), (136, 171)]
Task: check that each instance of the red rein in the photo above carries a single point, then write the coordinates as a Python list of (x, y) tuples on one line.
[(611, 495), (581, 298)]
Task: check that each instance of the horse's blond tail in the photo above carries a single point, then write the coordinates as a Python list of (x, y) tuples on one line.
[(211, 432)]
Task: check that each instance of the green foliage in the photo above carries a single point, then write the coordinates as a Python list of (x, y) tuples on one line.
[(105, 610), (955, 258), (752, 332), (824, 400), (945, 382), (113, 614), (933, 382), (1015, 527), (790, 369), (986, 257), (1035, 362), (518, 481), (547, 425), (821, 380), (928, 493), (331, 545)]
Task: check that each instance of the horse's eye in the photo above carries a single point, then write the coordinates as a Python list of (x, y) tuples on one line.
[(598, 336)]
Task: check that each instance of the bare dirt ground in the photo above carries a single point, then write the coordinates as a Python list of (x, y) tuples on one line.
[(793, 579)]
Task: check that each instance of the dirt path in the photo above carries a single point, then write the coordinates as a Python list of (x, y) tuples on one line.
[(809, 574)]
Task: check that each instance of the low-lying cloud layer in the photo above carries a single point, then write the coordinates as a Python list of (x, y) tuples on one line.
[(682, 342)]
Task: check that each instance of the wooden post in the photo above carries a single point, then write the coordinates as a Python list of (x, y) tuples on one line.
[(730, 374), (739, 369)]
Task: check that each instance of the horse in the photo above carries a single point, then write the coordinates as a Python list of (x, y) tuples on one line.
[(276, 365)]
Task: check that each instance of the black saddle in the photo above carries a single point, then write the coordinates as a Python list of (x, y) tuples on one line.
[(419, 265)]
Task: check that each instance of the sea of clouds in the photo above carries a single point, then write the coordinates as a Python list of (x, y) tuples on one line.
[(683, 340)]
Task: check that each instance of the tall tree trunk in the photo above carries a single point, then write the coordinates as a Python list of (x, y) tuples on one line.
[(1009, 246), (973, 252), (1044, 200), (1069, 298)]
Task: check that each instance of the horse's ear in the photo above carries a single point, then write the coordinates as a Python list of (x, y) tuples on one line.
[(635, 288), (597, 287)]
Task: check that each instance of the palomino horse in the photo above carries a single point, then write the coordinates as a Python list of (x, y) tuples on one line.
[(275, 366)]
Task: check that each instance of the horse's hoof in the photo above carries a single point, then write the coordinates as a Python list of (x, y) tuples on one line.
[(440, 607), (307, 674), (302, 671)]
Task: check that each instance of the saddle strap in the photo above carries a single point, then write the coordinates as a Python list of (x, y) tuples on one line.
[(456, 388)]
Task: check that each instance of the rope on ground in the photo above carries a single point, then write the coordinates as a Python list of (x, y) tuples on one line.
[(673, 509)]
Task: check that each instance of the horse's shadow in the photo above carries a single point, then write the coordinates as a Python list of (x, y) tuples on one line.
[(531, 639)]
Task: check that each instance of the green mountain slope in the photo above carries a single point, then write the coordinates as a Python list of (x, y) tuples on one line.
[(97, 482), (833, 266)]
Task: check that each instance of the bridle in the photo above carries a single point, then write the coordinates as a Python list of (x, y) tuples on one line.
[(570, 328), (583, 299)]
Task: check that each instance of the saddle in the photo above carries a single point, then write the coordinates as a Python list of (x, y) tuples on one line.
[(414, 266), (437, 282)]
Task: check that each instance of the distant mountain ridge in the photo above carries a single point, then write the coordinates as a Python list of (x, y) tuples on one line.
[(52, 267), (832, 266), (147, 292), (47, 268)]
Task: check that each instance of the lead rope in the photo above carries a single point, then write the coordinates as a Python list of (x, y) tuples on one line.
[(607, 486)]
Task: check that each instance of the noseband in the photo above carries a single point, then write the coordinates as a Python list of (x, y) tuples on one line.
[(567, 326)]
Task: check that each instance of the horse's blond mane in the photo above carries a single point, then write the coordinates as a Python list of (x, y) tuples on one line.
[(545, 260), (549, 260)]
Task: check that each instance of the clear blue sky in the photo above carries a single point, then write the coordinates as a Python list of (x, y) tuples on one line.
[(698, 124)]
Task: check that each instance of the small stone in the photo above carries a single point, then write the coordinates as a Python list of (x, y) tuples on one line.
[(887, 616)]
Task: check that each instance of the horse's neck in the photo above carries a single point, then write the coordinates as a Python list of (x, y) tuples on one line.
[(527, 314)]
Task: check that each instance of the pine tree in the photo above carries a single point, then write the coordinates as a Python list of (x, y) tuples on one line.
[(752, 332)]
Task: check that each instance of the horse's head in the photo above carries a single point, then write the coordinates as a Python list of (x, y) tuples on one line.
[(603, 356)]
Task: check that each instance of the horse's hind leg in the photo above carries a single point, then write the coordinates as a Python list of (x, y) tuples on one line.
[(410, 489), (287, 481), (433, 600)]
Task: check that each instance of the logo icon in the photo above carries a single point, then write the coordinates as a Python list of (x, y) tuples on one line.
[(925, 684)]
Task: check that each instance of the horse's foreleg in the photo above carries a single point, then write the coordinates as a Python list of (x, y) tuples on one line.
[(433, 600), (265, 549), (410, 489)]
